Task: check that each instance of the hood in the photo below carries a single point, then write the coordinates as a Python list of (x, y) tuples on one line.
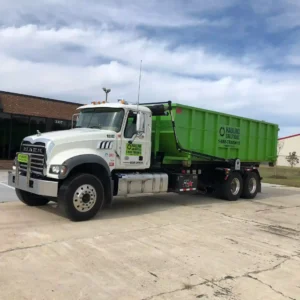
[(71, 135)]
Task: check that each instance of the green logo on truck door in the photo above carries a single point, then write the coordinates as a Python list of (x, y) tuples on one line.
[(229, 136), (133, 149)]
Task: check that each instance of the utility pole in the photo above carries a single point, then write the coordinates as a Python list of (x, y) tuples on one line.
[(106, 91)]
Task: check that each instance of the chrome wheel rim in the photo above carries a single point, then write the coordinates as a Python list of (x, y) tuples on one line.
[(252, 185), (235, 186), (84, 198)]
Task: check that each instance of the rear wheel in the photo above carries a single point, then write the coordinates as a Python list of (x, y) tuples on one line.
[(31, 199), (251, 183), (231, 189), (81, 197)]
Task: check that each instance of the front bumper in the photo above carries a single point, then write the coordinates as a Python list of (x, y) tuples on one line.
[(36, 186)]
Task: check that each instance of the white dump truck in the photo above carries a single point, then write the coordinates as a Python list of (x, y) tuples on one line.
[(120, 149)]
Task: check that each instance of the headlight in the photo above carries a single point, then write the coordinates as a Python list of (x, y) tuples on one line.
[(58, 169)]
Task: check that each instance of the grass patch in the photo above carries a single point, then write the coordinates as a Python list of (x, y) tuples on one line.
[(281, 175), (278, 177)]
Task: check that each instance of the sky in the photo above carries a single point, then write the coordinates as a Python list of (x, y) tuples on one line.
[(237, 57)]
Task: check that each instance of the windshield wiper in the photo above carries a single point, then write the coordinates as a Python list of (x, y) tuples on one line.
[(95, 126)]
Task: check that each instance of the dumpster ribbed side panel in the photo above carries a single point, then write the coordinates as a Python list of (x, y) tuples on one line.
[(215, 134)]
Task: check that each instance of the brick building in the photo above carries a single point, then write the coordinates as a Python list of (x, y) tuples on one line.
[(22, 115)]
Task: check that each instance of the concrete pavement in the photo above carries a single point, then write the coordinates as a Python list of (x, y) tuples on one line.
[(7, 194), (163, 247)]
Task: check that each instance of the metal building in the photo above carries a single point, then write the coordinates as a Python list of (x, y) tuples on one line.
[(287, 145)]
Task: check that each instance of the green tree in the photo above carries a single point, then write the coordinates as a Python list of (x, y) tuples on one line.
[(292, 159)]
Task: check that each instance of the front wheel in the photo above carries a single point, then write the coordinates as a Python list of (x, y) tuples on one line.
[(231, 189), (31, 199), (81, 197)]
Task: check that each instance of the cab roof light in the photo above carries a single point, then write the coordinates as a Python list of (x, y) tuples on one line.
[(98, 102), (122, 101)]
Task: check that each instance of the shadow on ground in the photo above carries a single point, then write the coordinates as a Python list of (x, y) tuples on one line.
[(135, 206)]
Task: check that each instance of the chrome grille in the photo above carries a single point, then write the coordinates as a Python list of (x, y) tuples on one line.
[(38, 152)]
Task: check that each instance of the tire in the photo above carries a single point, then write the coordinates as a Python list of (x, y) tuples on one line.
[(250, 186), (81, 197), (31, 199), (232, 188)]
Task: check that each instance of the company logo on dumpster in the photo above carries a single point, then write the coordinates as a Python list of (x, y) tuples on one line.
[(229, 136)]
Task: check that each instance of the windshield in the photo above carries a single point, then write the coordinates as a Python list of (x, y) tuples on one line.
[(101, 118)]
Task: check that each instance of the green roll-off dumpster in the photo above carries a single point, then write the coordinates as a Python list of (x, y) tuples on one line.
[(214, 134)]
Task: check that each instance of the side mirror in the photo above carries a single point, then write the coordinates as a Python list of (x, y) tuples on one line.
[(75, 118), (140, 126), (140, 123)]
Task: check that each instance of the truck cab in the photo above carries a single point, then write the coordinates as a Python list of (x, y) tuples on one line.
[(122, 131), (107, 138)]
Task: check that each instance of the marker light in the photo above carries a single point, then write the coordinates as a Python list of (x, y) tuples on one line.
[(122, 101)]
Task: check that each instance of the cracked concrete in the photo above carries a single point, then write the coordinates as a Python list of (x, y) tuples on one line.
[(271, 287), (164, 247)]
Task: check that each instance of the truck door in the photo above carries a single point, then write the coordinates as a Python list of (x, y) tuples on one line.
[(136, 148)]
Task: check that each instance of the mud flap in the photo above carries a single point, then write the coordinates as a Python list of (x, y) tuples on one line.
[(259, 185)]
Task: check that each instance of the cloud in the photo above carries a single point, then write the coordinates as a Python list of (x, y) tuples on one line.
[(284, 21), (293, 60), (127, 47), (281, 15), (152, 13)]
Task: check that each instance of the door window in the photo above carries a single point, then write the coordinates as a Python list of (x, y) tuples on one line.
[(130, 128)]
